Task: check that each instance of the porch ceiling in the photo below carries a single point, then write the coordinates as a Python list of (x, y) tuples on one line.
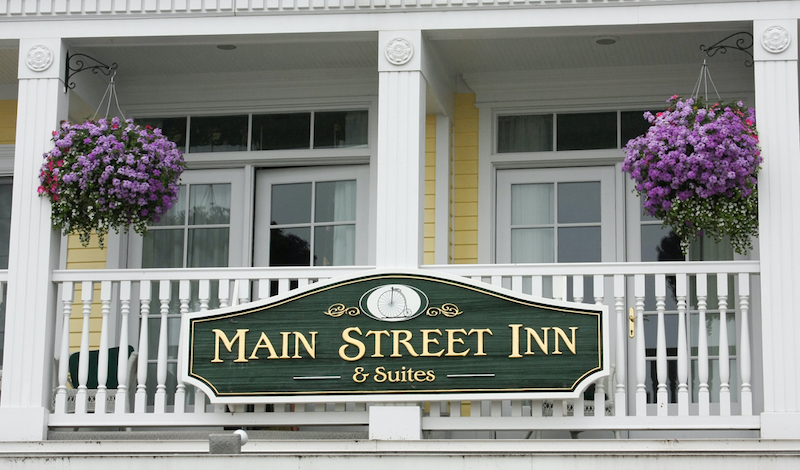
[(576, 48), (462, 52)]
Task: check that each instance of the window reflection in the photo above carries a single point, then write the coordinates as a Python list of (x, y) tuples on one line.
[(218, 134)]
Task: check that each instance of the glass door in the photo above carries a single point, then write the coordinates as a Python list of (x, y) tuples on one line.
[(311, 216), (555, 215)]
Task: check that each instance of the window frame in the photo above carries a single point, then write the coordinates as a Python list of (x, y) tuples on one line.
[(315, 174), (237, 234)]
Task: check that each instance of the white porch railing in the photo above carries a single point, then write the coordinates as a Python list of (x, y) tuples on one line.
[(692, 323), (36, 9)]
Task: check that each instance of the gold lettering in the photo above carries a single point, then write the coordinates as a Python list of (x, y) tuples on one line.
[(219, 334), (480, 332), (311, 348), (264, 342), (380, 375), (351, 342), (396, 342), (359, 376), (542, 344), (285, 347), (570, 345), (419, 375), (426, 341), (452, 340), (377, 335), (431, 376), (515, 341)]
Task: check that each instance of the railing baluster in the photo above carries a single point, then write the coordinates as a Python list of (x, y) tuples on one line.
[(102, 359), (224, 292), (160, 403), (683, 351), (204, 296), (641, 359), (243, 294), (578, 408), (598, 286), (577, 288), (746, 395), (121, 402), (620, 372), (536, 286), (283, 286), (81, 398), (662, 394), (560, 288), (263, 289), (496, 408), (724, 354), (67, 295), (516, 283), (140, 405), (180, 391), (702, 345)]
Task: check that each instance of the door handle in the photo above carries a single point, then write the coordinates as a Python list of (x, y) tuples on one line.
[(631, 323)]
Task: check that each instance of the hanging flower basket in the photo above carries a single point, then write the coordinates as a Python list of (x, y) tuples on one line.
[(106, 174), (696, 169)]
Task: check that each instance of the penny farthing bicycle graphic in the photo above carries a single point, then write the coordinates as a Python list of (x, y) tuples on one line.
[(392, 304)]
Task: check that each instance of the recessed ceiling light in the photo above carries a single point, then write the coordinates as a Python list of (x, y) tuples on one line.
[(606, 40), (226, 47)]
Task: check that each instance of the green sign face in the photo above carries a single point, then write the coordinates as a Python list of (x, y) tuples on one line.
[(395, 334)]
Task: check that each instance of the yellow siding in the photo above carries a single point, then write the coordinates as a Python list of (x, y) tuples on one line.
[(8, 121), (430, 189), (80, 257), (465, 191)]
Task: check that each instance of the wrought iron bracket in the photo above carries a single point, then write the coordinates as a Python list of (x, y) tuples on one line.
[(77, 63), (742, 41)]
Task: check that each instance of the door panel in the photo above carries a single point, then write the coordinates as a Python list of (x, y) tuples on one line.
[(555, 215), (314, 216)]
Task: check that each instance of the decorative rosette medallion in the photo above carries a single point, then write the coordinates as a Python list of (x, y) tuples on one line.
[(39, 58), (399, 51), (775, 39)]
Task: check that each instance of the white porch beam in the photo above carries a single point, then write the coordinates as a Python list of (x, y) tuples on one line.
[(777, 110), (34, 248), (401, 150), (441, 79), (455, 19)]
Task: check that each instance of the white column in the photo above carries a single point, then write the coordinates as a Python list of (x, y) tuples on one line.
[(776, 85), (34, 248), (401, 150)]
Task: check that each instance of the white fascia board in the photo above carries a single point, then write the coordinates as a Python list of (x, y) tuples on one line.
[(440, 78), (158, 25)]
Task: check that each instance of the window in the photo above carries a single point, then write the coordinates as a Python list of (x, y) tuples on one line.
[(311, 217), (275, 131), (568, 131)]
